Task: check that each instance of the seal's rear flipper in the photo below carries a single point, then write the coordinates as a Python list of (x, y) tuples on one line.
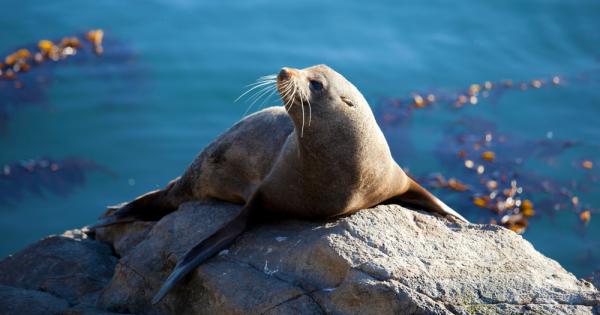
[(148, 207), (204, 250), (144, 208), (111, 219), (421, 198)]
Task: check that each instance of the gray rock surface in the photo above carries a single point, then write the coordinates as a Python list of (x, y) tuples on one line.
[(54, 274), (15, 301), (385, 260), (124, 237), (595, 278)]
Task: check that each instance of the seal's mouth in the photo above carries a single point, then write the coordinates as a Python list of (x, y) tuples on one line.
[(289, 85)]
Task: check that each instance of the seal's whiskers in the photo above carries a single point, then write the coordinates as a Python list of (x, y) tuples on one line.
[(309, 107), (261, 87), (302, 107), (258, 95), (268, 77), (292, 98), (286, 97), (273, 90), (284, 94), (253, 86), (254, 96)]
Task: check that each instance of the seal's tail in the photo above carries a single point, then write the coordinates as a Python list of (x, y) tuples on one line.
[(148, 207), (420, 197), (204, 250)]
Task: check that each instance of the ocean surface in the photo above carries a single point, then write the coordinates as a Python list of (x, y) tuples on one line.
[(130, 120)]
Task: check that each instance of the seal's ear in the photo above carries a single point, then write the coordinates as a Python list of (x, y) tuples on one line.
[(346, 100)]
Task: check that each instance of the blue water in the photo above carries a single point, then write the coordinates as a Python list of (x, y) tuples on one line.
[(165, 88)]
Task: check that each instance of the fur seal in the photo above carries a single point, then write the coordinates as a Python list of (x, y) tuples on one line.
[(321, 155)]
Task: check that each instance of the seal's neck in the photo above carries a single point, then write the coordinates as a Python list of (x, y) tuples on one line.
[(341, 140)]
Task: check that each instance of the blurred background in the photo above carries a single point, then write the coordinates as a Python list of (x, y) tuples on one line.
[(492, 105)]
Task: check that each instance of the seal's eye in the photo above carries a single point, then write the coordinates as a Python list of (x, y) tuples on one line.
[(316, 85)]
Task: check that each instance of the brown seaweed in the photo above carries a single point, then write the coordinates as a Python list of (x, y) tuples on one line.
[(26, 72), (485, 169), (488, 169)]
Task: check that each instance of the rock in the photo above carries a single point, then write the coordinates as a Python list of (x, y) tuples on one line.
[(141, 273), (71, 267), (124, 237), (385, 260), (20, 301), (85, 309), (595, 278)]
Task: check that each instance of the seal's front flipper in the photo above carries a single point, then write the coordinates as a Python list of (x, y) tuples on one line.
[(204, 250), (421, 198)]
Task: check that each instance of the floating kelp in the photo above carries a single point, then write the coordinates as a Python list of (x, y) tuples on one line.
[(96, 37), (26, 72), (587, 164), (40, 176), (399, 109), (23, 59), (487, 169), (477, 91)]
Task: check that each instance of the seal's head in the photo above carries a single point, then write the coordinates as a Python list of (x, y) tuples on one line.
[(320, 95)]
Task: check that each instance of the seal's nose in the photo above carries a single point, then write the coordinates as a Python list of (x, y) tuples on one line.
[(286, 73)]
